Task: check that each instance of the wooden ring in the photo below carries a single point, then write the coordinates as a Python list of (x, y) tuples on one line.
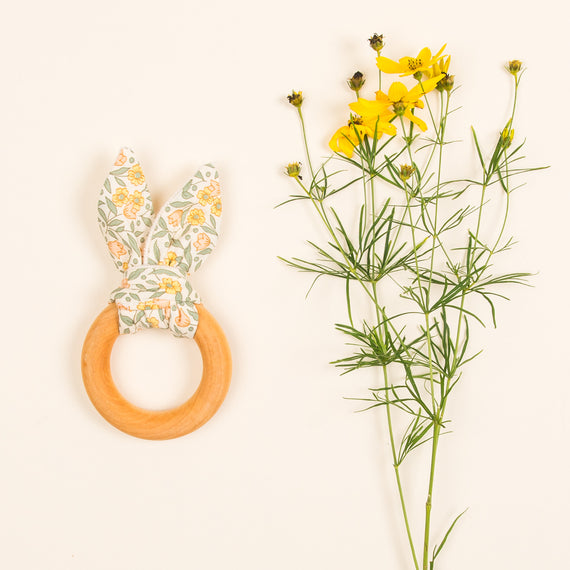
[(148, 424)]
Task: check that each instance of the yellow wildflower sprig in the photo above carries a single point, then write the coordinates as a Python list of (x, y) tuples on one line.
[(403, 240)]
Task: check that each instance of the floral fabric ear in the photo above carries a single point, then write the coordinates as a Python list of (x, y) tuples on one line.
[(156, 255)]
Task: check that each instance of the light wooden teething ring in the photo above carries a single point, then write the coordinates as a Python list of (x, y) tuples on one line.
[(148, 424)]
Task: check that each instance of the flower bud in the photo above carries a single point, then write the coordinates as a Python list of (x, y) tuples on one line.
[(376, 42), (445, 83), (514, 66), (293, 169), (296, 98), (507, 136), (356, 82), (406, 171)]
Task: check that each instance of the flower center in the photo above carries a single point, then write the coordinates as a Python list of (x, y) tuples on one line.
[(414, 63)]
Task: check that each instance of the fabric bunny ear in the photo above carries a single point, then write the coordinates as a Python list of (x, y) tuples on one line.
[(186, 229), (125, 210)]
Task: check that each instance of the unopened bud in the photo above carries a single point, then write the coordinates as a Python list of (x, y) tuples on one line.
[(445, 83), (293, 169), (507, 135), (356, 82), (514, 66), (406, 171)]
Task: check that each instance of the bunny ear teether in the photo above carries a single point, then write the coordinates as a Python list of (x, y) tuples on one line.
[(156, 256)]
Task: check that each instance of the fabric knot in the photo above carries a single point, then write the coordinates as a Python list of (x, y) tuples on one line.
[(156, 296)]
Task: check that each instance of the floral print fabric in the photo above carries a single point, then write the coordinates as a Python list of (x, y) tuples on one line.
[(156, 254)]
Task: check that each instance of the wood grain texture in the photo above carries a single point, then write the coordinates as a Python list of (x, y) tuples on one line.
[(148, 424)]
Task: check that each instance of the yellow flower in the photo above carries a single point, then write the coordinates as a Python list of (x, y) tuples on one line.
[(196, 217), (170, 259), (216, 208), (409, 65), (438, 67), (170, 285), (403, 101), (137, 199), (205, 196), (147, 306), (136, 175), (347, 138), (120, 197), (376, 115), (153, 322)]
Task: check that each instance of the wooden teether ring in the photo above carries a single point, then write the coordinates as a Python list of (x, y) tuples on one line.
[(148, 424)]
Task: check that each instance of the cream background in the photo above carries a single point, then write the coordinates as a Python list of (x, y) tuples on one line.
[(285, 476)]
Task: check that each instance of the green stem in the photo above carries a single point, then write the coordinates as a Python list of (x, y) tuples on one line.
[(305, 142)]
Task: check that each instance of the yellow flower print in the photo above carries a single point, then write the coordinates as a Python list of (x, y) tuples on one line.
[(153, 322), (136, 175), (120, 197), (205, 196), (170, 285), (137, 199), (170, 259), (196, 217), (216, 208), (147, 305), (116, 248)]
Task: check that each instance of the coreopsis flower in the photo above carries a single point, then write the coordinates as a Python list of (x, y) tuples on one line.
[(438, 67), (441, 67), (347, 138), (409, 65), (296, 98), (398, 102), (376, 115), (376, 43)]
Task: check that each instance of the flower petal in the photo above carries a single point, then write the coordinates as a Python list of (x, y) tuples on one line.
[(388, 65)]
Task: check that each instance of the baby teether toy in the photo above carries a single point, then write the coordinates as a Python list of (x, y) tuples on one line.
[(156, 255)]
